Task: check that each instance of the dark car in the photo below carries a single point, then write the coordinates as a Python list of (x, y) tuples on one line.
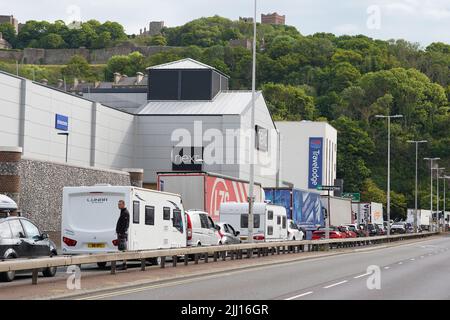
[(374, 229), (20, 238)]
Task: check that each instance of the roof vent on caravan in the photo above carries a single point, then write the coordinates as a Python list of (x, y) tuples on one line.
[(102, 185)]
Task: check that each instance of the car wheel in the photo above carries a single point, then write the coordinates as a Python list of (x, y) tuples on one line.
[(101, 265), (155, 261), (7, 276), (50, 271)]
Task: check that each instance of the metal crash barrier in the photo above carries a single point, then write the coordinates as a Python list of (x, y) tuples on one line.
[(222, 252)]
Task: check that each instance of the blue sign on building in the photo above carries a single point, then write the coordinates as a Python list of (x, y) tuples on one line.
[(61, 122), (315, 162)]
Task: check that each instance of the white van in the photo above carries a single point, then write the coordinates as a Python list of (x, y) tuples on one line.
[(269, 221), (201, 229), (90, 214)]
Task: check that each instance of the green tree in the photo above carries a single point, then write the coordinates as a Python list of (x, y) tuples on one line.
[(9, 34), (52, 41), (289, 102), (78, 67)]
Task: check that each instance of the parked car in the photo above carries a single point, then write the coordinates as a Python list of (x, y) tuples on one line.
[(382, 230), (398, 227), (227, 234), (294, 232), (374, 229), (348, 232), (320, 234), (359, 230), (201, 229), (21, 238), (409, 228)]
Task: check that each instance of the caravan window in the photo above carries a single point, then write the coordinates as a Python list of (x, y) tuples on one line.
[(166, 213), (136, 212), (244, 220), (177, 220), (284, 222), (270, 215), (256, 220), (270, 230), (149, 215), (278, 220)]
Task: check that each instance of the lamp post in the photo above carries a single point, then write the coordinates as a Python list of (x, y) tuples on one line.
[(388, 196), (416, 142), (445, 187), (251, 198), (67, 141), (438, 224), (431, 181)]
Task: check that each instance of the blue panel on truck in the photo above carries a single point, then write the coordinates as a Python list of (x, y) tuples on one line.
[(304, 207)]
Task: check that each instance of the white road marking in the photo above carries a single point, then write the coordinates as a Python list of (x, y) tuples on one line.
[(413, 259), (299, 296), (369, 249), (400, 263), (386, 268), (361, 275), (335, 284), (421, 257)]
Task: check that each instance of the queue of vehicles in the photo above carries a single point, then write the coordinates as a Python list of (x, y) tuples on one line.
[(161, 219)]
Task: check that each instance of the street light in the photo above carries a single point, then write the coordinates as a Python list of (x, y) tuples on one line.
[(67, 141), (445, 185), (388, 205), (251, 198), (431, 181), (416, 142), (437, 188)]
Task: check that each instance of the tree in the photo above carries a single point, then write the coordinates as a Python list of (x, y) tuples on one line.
[(289, 102), (78, 67), (354, 148), (8, 33), (158, 40), (52, 41)]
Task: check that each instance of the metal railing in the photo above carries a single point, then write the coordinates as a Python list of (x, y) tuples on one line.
[(221, 252)]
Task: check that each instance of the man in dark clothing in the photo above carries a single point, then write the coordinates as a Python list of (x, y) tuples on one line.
[(124, 221), (122, 228)]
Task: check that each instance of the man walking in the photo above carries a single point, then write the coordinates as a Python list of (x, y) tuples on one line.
[(122, 228)]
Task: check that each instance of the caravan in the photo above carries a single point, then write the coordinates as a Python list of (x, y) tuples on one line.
[(269, 221), (90, 214)]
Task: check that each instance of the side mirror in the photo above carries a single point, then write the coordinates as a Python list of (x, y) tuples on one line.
[(217, 227), (44, 236), (237, 233), (21, 235)]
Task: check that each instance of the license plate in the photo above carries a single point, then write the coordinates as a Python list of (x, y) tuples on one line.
[(96, 245)]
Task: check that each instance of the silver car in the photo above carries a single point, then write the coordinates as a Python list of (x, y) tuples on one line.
[(227, 233)]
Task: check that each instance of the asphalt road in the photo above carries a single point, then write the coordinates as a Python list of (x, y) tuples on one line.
[(418, 270)]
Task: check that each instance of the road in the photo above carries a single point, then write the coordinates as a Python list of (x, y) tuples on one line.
[(418, 270)]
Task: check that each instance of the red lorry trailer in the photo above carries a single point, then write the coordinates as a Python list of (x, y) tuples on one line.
[(206, 191)]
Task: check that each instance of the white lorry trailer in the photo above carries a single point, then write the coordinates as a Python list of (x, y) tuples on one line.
[(339, 210), (90, 214), (269, 221), (423, 218)]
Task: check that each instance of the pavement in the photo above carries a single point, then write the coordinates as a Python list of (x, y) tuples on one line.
[(336, 274)]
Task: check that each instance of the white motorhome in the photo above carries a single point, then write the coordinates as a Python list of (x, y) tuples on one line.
[(269, 221), (90, 214)]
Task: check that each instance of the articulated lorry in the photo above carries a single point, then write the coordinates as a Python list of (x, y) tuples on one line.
[(339, 210), (303, 207), (424, 218), (368, 212), (207, 191)]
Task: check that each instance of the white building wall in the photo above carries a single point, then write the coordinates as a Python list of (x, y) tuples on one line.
[(154, 143), (9, 110), (295, 152), (266, 164), (98, 135)]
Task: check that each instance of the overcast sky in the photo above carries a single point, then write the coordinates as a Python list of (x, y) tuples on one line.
[(422, 21)]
